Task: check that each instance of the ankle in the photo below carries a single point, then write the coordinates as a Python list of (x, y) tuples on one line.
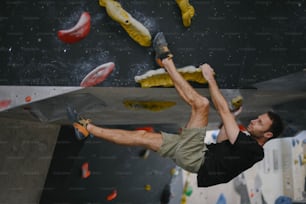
[(89, 126)]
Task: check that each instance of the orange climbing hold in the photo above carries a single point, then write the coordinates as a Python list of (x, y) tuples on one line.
[(112, 196), (146, 128), (85, 170), (28, 99)]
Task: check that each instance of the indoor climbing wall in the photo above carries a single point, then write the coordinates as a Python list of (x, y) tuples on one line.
[(58, 43), (108, 43), (96, 171)]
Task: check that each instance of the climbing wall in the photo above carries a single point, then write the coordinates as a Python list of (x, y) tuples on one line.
[(245, 41), (62, 43), (113, 173)]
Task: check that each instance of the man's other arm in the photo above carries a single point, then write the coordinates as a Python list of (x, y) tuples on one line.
[(230, 126)]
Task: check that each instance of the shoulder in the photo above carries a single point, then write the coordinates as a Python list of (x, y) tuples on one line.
[(245, 138), (248, 144)]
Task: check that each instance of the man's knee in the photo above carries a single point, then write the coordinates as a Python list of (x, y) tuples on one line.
[(201, 103)]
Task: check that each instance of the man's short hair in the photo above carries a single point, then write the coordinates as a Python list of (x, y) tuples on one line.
[(277, 126)]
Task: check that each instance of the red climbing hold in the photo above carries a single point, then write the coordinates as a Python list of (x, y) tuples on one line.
[(28, 99), (85, 170), (5, 103), (78, 32), (112, 196), (146, 128), (98, 75)]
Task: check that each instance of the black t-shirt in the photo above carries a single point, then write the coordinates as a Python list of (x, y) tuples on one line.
[(224, 161)]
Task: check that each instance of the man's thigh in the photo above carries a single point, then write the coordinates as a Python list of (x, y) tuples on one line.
[(187, 149)]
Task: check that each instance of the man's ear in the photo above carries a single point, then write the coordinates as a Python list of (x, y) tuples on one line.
[(268, 135)]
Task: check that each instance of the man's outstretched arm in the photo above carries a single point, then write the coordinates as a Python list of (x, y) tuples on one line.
[(222, 136), (229, 122)]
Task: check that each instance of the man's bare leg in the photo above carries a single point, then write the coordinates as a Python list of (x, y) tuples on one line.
[(83, 128), (199, 104), (142, 138)]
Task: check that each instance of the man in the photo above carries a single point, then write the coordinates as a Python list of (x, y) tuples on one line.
[(234, 152)]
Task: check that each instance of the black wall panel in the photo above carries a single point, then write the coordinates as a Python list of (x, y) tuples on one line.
[(245, 41)]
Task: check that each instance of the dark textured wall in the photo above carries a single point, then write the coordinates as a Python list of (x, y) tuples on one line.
[(246, 41)]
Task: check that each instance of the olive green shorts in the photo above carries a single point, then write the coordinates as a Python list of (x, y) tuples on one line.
[(186, 149)]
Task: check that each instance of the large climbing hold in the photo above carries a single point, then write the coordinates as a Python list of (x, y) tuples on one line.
[(135, 29), (187, 11), (153, 106), (160, 77), (98, 75), (77, 32)]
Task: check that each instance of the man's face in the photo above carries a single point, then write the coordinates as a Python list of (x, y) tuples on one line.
[(260, 125)]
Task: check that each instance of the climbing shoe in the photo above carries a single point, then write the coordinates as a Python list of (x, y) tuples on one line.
[(160, 46), (78, 123)]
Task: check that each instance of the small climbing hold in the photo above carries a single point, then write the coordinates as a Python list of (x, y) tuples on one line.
[(28, 99), (283, 200), (188, 190), (112, 195), (221, 199), (146, 128), (184, 199), (236, 103), (174, 172), (85, 170), (5, 103), (148, 187)]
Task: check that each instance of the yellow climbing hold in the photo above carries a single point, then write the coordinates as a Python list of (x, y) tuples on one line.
[(160, 77), (183, 199), (148, 187), (135, 29), (174, 172), (148, 105), (187, 11), (236, 102)]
